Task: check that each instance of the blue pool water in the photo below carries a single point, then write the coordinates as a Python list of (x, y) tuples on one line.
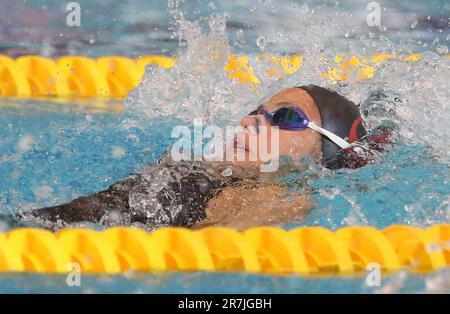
[(52, 157), (210, 283), (71, 154), (137, 27), (51, 153), (48, 158)]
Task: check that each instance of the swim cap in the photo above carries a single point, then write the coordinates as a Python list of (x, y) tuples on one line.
[(339, 116)]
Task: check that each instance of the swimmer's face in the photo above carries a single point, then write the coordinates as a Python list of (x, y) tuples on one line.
[(295, 144)]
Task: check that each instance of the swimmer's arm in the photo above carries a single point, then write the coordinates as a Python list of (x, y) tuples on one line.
[(90, 208), (241, 208)]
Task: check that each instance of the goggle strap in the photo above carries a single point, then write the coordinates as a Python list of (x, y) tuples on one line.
[(339, 141)]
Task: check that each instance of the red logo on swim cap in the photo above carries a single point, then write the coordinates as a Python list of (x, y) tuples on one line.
[(353, 136)]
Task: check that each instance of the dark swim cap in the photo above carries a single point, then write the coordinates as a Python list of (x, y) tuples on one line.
[(339, 116)]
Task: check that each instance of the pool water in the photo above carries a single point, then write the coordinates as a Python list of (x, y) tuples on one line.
[(138, 27), (51, 153), (48, 158), (210, 283), (51, 157)]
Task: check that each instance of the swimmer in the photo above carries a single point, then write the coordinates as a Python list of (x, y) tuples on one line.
[(313, 122)]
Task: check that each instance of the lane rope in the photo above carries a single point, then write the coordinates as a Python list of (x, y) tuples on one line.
[(270, 250), (115, 76)]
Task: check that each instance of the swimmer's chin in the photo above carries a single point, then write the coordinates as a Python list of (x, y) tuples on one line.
[(247, 169), (246, 164), (241, 158)]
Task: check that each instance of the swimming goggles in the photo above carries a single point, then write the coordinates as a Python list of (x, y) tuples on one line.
[(291, 118)]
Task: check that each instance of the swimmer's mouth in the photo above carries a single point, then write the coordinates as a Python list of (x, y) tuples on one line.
[(237, 145)]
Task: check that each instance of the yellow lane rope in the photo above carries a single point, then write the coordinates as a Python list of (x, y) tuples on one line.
[(304, 251), (115, 76)]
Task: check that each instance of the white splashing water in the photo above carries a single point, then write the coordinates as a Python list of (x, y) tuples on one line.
[(197, 86), (417, 93), (419, 104)]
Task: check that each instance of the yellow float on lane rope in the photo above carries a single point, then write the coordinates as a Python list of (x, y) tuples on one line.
[(270, 250), (116, 76)]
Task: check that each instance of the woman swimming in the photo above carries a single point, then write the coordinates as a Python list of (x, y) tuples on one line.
[(312, 122)]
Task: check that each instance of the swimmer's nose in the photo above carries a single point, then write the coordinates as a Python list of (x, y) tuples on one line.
[(253, 122)]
